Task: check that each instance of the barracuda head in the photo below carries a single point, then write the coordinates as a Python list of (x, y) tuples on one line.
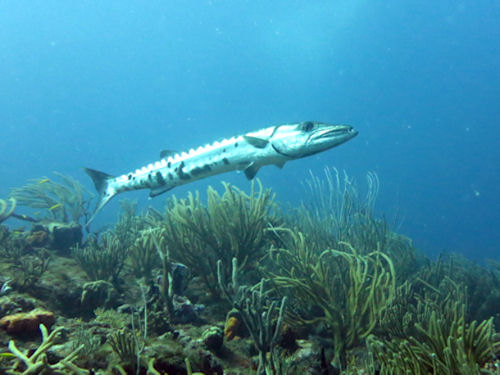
[(308, 138)]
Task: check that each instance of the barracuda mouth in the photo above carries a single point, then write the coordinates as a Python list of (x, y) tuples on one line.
[(338, 132)]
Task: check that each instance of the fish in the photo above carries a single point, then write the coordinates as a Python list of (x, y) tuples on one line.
[(248, 153), (55, 206)]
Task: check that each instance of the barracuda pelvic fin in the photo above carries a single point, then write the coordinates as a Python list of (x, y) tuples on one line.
[(249, 152)]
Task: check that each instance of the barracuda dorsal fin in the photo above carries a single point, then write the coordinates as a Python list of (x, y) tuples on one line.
[(256, 141), (251, 170), (166, 153)]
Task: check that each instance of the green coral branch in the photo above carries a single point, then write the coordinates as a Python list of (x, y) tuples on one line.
[(441, 342), (146, 251), (333, 205), (103, 258), (37, 363), (234, 224), (352, 290), (125, 344), (257, 313), (66, 202), (7, 208)]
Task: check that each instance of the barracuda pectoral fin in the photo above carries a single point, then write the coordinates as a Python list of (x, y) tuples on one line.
[(159, 190), (166, 153), (256, 141), (281, 164), (251, 170)]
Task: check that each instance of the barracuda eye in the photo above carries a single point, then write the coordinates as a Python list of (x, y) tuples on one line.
[(307, 126)]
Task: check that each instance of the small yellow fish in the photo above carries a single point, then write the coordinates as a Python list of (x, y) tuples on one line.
[(56, 206), (7, 355), (44, 180)]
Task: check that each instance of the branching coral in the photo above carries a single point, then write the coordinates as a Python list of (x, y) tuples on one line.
[(398, 318), (335, 211), (331, 206), (11, 245), (257, 312), (36, 363), (442, 342), (130, 343), (125, 344), (482, 283), (29, 269), (102, 259), (7, 208), (232, 225), (129, 224), (67, 201), (351, 290), (27, 265), (150, 251), (144, 253)]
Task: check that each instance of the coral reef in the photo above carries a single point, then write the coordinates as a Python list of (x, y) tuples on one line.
[(29, 269), (327, 288)]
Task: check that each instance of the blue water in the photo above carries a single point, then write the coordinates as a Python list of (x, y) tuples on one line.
[(108, 84)]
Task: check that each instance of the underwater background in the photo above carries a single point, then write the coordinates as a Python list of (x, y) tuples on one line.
[(107, 85), (378, 257)]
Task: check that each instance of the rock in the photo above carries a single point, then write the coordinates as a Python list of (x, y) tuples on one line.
[(64, 236), (61, 236), (180, 278), (310, 358), (13, 304), (27, 322), (200, 358), (98, 293), (213, 338), (186, 312), (38, 238), (5, 285), (288, 338)]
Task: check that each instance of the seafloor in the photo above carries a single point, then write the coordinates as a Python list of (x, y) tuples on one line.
[(234, 282)]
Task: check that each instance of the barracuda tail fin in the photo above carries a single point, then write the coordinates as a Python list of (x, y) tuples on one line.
[(106, 192)]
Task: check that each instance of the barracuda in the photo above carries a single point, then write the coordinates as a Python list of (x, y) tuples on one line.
[(249, 152)]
